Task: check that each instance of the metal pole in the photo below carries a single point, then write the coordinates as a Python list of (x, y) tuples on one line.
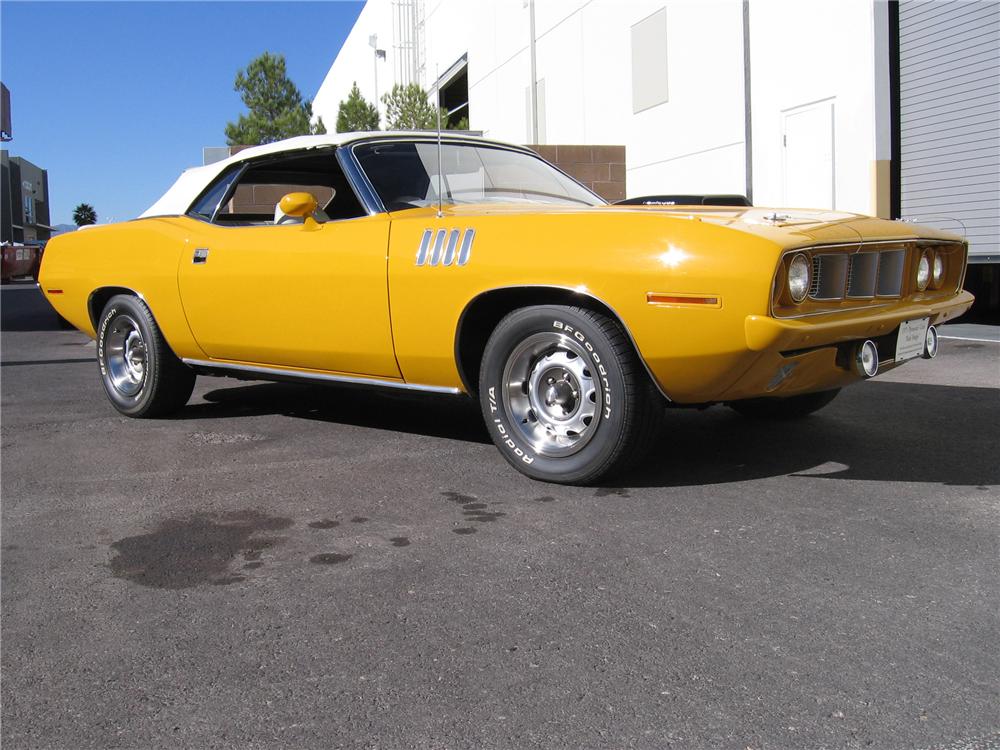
[(747, 104), (373, 43), (437, 97), (375, 63), (534, 73)]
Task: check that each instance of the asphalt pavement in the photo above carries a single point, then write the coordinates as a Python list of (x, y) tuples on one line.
[(282, 566)]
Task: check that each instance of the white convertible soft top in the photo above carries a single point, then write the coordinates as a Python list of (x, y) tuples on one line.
[(192, 181), (178, 199)]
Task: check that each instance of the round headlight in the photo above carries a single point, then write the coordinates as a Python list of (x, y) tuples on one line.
[(798, 277), (923, 272), (938, 272)]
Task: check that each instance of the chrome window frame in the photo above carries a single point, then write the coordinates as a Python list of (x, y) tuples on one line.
[(431, 138), (273, 158), (358, 180), (237, 169)]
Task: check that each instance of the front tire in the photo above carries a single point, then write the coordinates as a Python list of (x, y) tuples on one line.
[(792, 407), (140, 373), (564, 395)]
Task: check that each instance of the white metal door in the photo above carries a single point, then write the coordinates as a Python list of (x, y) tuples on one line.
[(808, 177)]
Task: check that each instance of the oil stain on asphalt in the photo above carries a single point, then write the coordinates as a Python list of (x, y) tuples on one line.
[(326, 523), (609, 491), (196, 550), (203, 548), (329, 558), (473, 510)]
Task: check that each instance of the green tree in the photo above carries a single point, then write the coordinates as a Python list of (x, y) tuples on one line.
[(355, 114), (408, 108), (276, 108), (84, 214)]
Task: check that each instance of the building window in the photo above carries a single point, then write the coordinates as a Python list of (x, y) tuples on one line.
[(649, 61), (29, 209), (453, 94)]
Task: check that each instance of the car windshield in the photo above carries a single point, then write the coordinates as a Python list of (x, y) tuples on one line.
[(405, 175)]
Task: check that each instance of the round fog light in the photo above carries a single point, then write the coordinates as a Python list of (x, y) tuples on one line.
[(866, 359), (930, 343)]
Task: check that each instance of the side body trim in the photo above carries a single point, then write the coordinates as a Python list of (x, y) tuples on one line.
[(322, 377)]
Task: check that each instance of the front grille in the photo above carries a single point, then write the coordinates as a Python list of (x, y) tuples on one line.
[(862, 275), (890, 273), (817, 274), (831, 280), (876, 273)]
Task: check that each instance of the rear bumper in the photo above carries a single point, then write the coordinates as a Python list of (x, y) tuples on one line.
[(801, 355)]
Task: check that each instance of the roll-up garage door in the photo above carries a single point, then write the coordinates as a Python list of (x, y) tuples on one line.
[(949, 112)]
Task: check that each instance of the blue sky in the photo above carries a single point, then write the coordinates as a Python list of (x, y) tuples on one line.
[(114, 99)]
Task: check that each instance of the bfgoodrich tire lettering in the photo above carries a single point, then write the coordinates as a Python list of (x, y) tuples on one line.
[(563, 395), (140, 373)]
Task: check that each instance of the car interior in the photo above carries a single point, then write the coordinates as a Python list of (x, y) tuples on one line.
[(254, 200)]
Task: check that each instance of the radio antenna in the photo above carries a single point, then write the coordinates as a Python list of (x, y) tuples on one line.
[(438, 108)]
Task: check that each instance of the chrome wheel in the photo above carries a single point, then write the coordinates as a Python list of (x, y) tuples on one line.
[(125, 356), (551, 394)]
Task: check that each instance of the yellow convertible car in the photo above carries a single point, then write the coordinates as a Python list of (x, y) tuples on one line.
[(467, 266)]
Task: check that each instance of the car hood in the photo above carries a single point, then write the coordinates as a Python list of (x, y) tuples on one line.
[(796, 227), (785, 227)]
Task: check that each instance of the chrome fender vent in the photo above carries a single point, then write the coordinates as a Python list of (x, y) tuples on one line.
[(443, 247)]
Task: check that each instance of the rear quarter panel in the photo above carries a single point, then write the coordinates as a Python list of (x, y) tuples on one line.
[(616, 256), (140, 255)]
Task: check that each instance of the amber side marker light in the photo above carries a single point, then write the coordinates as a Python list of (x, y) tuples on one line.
[(655, 298)]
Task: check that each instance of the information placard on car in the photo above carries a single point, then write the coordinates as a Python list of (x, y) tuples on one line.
[(910, 342)]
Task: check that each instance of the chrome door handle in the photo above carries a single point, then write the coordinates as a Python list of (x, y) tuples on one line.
[(200, 255)]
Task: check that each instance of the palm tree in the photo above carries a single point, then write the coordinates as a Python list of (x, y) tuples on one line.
[(84, 214)]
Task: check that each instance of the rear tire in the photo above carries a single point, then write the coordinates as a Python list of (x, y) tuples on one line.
[(140, 373), (565, 397), (792, 407)]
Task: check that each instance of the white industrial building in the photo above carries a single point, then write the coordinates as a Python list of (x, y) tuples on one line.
[(890, 109)]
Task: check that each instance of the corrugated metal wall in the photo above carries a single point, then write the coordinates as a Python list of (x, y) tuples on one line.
[(949, 110)]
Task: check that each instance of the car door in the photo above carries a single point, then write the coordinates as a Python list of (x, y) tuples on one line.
[(307, 295)]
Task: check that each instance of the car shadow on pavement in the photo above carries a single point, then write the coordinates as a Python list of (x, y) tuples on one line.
[(452, 417), (27, 310), (876, 431)]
